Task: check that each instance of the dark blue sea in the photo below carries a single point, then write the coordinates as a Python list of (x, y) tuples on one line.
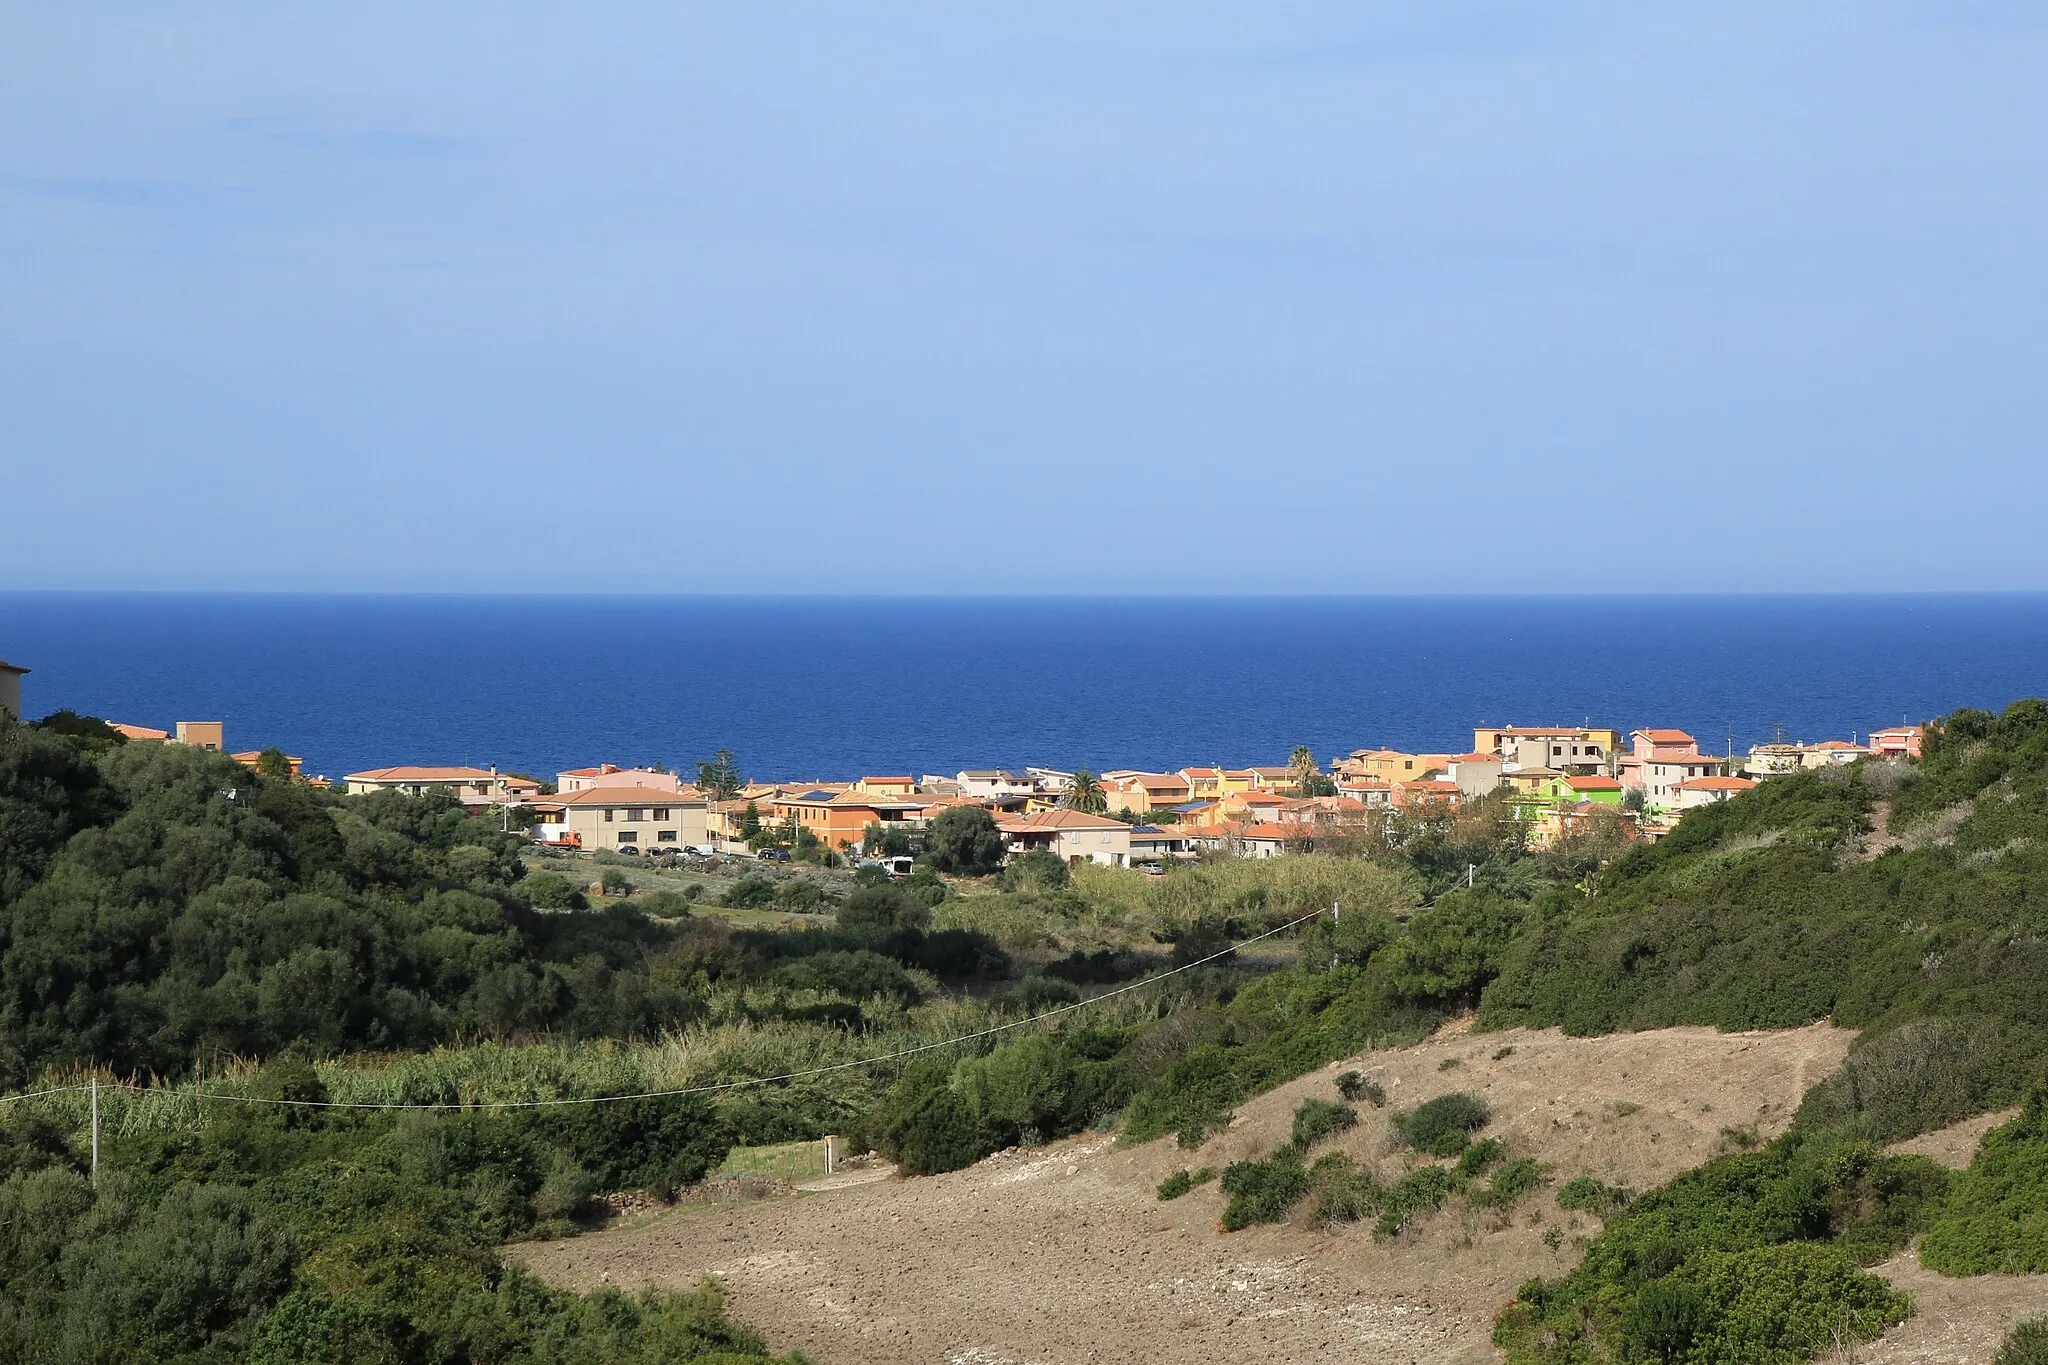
[(839, 687)]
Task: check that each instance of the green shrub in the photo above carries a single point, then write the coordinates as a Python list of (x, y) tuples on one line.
[(1417, 1194), (1192, 1100), (1922, 1075), (1452, 1143), (751, 892), (2025, 1344), (615, 882), (925, 1128), (1035, 871), (552, 891), (1183, 1180), (1355, 1087), (663, 904), (1996, 1218), (1480, 1155), (1341, 1190), (1586, 1194), (1448, 1119), (883, 907), (1510, 1183), (1315, 1120), (803, 898), (1263, 1191)]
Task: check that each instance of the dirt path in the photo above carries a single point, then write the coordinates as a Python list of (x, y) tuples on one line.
[(1064, 1255)]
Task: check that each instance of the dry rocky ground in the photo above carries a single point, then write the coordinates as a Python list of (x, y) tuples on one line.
[(1064, 1254)]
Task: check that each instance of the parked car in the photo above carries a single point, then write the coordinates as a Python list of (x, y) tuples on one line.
[(700, 850), (773, 855), (628, 850)]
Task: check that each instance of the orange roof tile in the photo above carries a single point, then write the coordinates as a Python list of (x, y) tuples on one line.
[(405, 773), (615, 795)]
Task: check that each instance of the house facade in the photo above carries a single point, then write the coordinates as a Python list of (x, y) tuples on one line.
[(612, 817), (1707, 791), (994, 782), (1900, 741), (10, 688), (1070, 835), (470, 786)]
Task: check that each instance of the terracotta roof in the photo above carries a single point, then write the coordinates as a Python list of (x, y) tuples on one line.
[(1271, 831), (1475, 757), (1425, 784), (1592, 784), (1665, 736), (1200, 772), (1717, 784), (417, 774), (249, 756), (1058, 818), (892, 781), (1149, 781), (1835, 745), (615, 795), (135, 731), (1888, 730)]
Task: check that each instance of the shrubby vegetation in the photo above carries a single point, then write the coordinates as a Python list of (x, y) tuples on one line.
[(1996, 1221), (161, 909), (274, 1235), (1752, 1257), (2026, 1344)]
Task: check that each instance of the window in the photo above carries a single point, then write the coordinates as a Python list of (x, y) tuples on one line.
[(609, 813), (660, 813), (664, 836), (629, 836), (637, 813)]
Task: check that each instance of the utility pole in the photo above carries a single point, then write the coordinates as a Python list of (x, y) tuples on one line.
[(95, 1132)]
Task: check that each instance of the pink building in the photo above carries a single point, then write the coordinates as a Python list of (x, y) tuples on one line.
[(1901, 741), (611, 775)]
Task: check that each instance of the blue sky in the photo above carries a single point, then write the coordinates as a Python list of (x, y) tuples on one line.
[(1069, 298)]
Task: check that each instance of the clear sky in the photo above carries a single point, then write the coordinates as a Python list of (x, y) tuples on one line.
[(1285, 297)]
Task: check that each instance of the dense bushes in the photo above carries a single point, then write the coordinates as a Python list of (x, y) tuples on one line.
[(1263, 1191), (160, 903), (277, 1235), (1749, 1258), (1444, 1125), (1996, 1220), (1316, 1119)]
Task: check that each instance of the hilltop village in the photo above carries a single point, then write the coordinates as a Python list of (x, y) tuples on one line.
[(1559, 781)]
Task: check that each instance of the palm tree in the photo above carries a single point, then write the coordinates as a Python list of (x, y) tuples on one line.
[(1304, 764), (1084, 794)]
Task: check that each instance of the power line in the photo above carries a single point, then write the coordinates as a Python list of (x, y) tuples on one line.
[(714, 1087)]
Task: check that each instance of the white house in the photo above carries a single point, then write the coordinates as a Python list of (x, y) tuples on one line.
[(10, 689)]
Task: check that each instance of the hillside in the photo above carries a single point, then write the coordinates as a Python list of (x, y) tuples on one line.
[(1065, 1253)]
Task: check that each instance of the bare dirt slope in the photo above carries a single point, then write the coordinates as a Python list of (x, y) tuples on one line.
[(1064, 1254)]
